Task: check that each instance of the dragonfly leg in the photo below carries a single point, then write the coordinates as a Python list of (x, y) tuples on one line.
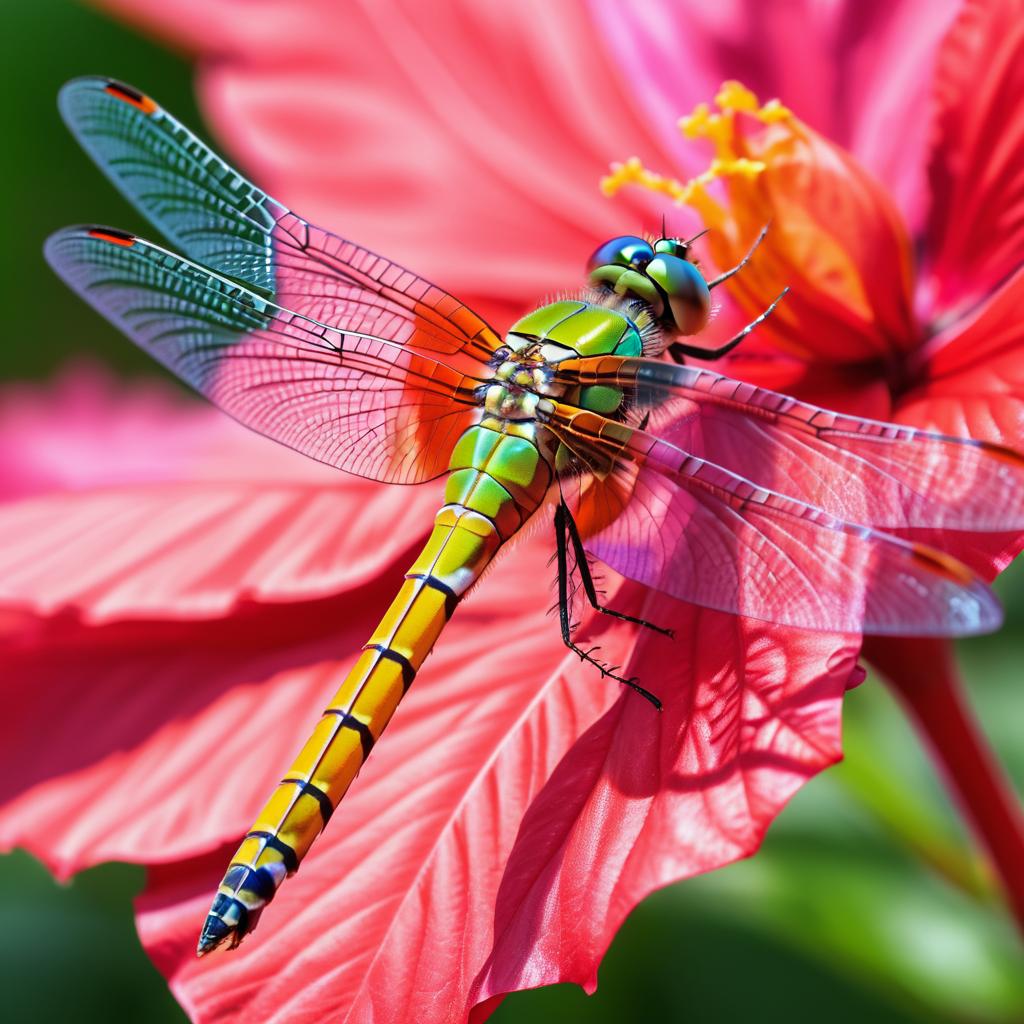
[(743, 262), (678, 350), (564, 534), (587, 578)]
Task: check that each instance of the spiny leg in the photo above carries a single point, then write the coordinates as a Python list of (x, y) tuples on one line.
[(562, 539), (587, 578), (678, 350)]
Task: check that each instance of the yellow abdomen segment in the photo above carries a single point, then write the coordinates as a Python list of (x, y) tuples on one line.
[(498, 480), (466, 536), (353, 721)]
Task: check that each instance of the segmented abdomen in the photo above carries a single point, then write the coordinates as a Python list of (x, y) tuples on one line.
[(498, 480)]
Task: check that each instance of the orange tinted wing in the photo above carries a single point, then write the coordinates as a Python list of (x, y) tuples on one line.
[(364, 404), (700, 533), (863, 471)]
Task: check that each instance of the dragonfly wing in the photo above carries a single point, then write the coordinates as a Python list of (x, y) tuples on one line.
[(863, 471), (219, 219), (363, 404), (700, 533)]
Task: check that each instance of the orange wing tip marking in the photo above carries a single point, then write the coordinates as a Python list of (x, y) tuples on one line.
[(137, 99), (111, 235), (944, 565), (1001, 452)]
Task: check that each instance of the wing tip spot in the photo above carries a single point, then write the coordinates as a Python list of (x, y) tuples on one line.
[(943, 564), (112, 235), (129, 95), (1001, 452)]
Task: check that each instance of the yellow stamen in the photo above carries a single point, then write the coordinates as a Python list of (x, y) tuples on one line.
[(773, 111), (702, 124), (633, 172), (733, 95), (719, 128), (739, 167)]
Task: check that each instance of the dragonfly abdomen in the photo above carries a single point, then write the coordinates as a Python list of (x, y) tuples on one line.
[(499, 478)]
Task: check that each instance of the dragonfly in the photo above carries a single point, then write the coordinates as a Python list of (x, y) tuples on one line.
[(705, 488)]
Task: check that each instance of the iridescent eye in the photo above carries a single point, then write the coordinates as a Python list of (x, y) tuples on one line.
[(624, 251), (686, 291)]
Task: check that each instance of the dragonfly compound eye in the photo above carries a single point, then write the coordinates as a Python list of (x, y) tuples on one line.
[(660, 275), (624, 251), (687, 300), (620, 266)]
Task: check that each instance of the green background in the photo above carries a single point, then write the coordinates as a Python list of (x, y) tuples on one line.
[(865, 902)]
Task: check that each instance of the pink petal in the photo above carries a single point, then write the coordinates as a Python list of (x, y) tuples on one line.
[(393, 917), (621, 817), (858, 71), (86, 429), (465, 141), (89, 429), (445, 896), (199, 549), (976, 225), (159, 506), (971, 384)]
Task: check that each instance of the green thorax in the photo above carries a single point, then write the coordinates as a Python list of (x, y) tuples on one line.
[(586, 329), (571, 328)]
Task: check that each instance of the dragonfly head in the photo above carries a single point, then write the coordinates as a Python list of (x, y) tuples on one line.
[(660, 274)]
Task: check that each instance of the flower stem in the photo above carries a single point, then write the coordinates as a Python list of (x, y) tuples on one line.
[(924, 676)]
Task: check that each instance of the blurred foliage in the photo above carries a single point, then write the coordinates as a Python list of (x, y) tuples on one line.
[(865, 903), (50, 182)]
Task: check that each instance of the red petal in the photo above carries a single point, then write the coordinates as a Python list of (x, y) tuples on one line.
[(197, 550), (976, 225), (972, 385), (465, 140), (623, 816), (174, 767), (156, 741), (972, 376), (443, 895)]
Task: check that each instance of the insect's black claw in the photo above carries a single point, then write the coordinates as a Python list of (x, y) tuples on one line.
[(634, 684)]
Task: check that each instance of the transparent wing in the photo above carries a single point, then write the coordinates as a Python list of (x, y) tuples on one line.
[(696, 531), (219, 219), (363, 404), (863, 471)]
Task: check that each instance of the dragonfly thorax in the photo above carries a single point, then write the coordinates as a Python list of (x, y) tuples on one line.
[(521, 381), (572, 328), (527, 365)]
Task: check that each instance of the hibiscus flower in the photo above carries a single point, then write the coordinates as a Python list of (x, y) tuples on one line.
[(185, 667), (937, 346), (507, 858)]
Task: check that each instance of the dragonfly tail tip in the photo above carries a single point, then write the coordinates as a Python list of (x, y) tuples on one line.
[(215, 932)]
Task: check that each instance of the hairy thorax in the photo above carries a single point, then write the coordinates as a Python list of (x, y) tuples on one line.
[(522, 384)]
